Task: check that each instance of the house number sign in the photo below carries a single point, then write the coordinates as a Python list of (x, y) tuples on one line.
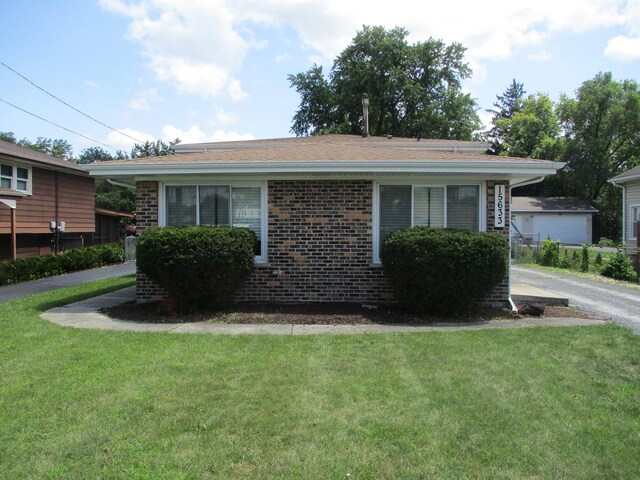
[(499, 206)]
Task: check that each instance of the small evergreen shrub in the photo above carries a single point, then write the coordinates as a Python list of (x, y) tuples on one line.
[(443, 271), (619, 266), (550, 254), (32, 268), (198, 266), (584, 259), (598, 259), (565, 261)]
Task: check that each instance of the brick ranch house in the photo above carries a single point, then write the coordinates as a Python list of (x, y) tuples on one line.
[(321, 206)]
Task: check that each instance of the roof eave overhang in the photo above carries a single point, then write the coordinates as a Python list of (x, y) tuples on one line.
[(515, 169), (623, 180)]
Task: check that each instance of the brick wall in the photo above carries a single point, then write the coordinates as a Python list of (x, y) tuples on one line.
[(319, 245), (500, 295)]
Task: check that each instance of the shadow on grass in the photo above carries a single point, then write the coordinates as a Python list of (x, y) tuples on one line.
[(65, 296)]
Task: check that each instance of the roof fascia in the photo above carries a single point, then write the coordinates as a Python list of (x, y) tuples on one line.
[(372, 167)]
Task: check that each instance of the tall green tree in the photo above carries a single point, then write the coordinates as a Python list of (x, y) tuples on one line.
[(601, 128), (530, 131), (55, 147), (8, 137), (153, 149), (412, 89), (505, 107)]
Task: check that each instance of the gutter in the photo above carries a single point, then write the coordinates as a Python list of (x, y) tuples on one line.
[(121, 184)]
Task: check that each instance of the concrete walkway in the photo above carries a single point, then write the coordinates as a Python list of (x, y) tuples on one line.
[(85, 314), (24, 289)]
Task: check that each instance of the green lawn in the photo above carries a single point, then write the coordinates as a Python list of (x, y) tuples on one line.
[(526, 403)]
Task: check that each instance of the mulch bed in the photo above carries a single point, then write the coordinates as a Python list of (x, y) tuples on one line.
[(310, 314)]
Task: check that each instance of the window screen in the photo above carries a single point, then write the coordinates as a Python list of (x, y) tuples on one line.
[(214, 205), (428, 206), (395, 209), (181, 205), (462, 207)]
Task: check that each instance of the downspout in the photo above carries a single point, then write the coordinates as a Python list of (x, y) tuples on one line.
[(514, 309)]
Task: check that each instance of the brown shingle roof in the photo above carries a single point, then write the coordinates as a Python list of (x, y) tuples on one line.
[(322, 149), (31, 156)]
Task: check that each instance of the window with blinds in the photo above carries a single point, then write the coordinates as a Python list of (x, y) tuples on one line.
[(462, 207), (216, 205), (402, 206)]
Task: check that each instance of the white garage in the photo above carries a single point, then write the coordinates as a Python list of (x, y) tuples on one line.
[(567, 219)]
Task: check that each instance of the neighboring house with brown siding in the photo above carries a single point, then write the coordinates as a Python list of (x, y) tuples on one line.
[(46, 203), (321, 206), (629, 182)]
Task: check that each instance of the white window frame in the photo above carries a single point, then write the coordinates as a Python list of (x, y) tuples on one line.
[(14, 177), (375, 224), (632, 235), (162, 206)]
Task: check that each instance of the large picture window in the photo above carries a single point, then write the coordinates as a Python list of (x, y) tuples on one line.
[(402, 206), (239, 206), (15, 178)]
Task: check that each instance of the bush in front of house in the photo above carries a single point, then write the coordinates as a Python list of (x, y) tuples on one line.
[(198, 266), (444, 271), (550, 253), (619, 266), (32, 268)]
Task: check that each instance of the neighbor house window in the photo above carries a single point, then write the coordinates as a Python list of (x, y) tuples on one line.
[(635, 218), (402, 206), (15, 178), (239, 206)]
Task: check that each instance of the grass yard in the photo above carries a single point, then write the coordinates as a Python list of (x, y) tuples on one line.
[(526, 403)]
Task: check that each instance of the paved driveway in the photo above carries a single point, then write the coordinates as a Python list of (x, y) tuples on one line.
[(620, 304), (23, 289)]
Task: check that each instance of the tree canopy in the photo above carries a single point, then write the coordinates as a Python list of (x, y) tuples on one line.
[(412, 89), (596, 134)]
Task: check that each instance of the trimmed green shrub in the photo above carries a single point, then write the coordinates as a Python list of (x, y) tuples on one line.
[(584, 260), (619, 266), (32, 268), (444, 271), (550, 254), (198, 266), (598, 260)]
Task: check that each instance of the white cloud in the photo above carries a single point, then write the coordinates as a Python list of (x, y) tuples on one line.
[(225, 118), (285, 57), (92, 84), (144, 99), (200, 46), (195, 135), (623, 48), (542, 56), (125, 143)]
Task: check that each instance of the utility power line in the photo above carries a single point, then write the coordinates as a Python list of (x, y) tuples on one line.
[(53, 123), (68, 105)]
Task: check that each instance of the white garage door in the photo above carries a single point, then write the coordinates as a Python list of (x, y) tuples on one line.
[(569, 229)]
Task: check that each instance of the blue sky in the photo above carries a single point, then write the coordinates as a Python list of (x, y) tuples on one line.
[(206, 70)]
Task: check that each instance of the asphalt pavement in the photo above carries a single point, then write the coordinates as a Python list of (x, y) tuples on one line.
[(614, 302), (24, 289)]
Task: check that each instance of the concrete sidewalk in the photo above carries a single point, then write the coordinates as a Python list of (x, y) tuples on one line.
[(523, 293), (24, 289), (85, 314)]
